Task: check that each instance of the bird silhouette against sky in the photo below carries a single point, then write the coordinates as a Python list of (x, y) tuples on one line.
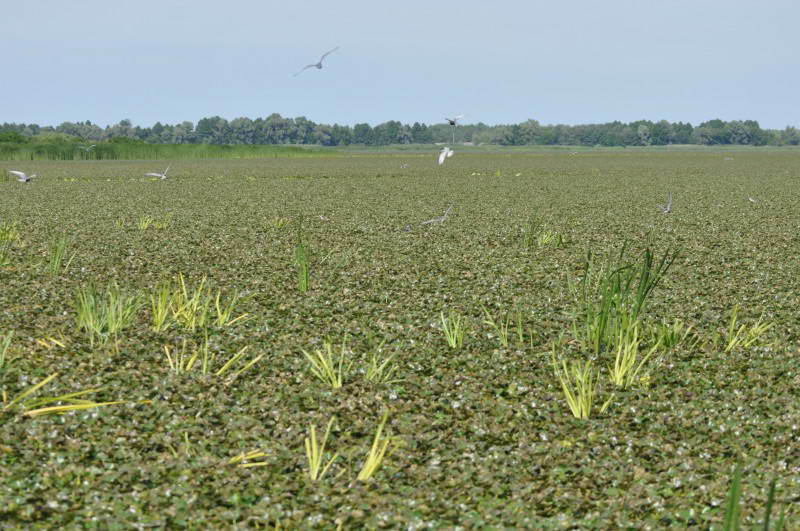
[(317, 65)]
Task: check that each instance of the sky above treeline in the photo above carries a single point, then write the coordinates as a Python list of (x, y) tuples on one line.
[(415, 60)]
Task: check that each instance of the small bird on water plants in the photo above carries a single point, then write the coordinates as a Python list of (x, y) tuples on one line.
[(441, 219), (318, 65), (162, 176), (22, 176), (666, 209)]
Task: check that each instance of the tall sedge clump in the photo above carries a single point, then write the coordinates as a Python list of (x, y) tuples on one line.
[(612, 298)]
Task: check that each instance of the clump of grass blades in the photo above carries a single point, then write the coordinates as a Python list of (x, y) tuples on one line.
[(57, 253), (325, 368), (247, 459), (302, 258), (627, 366), (34, 407), (579, 385), (453, 327), (380, 444), (669, 335), (278, 222), (381, 371), (315, 452), (203, 360), (191, 308), (144, 222), (612, 298), (5, 343), (104, 315), (9, 234), (743, 335), (538, 234), (733, 506)]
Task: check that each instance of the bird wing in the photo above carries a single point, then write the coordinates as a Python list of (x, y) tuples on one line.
[(165, 171), (153, 175), (442, 156), (304, 69), (460, 116), (326, 54), (450, 153), (17, 173)]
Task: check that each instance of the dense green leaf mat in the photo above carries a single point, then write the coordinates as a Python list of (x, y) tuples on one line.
[(482, 435)]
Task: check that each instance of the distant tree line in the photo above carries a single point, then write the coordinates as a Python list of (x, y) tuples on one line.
[(276, 129)]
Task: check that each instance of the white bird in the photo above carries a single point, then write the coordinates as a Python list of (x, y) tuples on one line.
[(666, 209), (317, 65), (162, 176), (453, 122), (87, 148), (22, 176), (440, 219), (445, 153), (751, 199)]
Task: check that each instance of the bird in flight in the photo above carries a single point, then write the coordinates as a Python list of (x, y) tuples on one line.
[(317, 65), (666, 209), (162, 176), (87, 148), (445, 153), (452, 121), (22, 176)]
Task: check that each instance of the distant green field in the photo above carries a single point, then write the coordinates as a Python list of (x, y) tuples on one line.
[(186, 298)]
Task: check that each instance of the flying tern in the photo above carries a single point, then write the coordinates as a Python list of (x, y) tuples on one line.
[(316, 65), (445, 153)]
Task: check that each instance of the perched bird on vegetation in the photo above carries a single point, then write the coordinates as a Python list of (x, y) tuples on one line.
[(666, 209), (162, 176), (317, 65), (445, 153), (22, 176), (441, 219)]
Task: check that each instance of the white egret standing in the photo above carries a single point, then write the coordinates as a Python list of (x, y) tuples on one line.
[(445, 153), (318, 65), (453, 122), (162, 176), (22, 176)]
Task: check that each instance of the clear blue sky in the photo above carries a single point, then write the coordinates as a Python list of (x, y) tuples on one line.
[(415, 60)]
